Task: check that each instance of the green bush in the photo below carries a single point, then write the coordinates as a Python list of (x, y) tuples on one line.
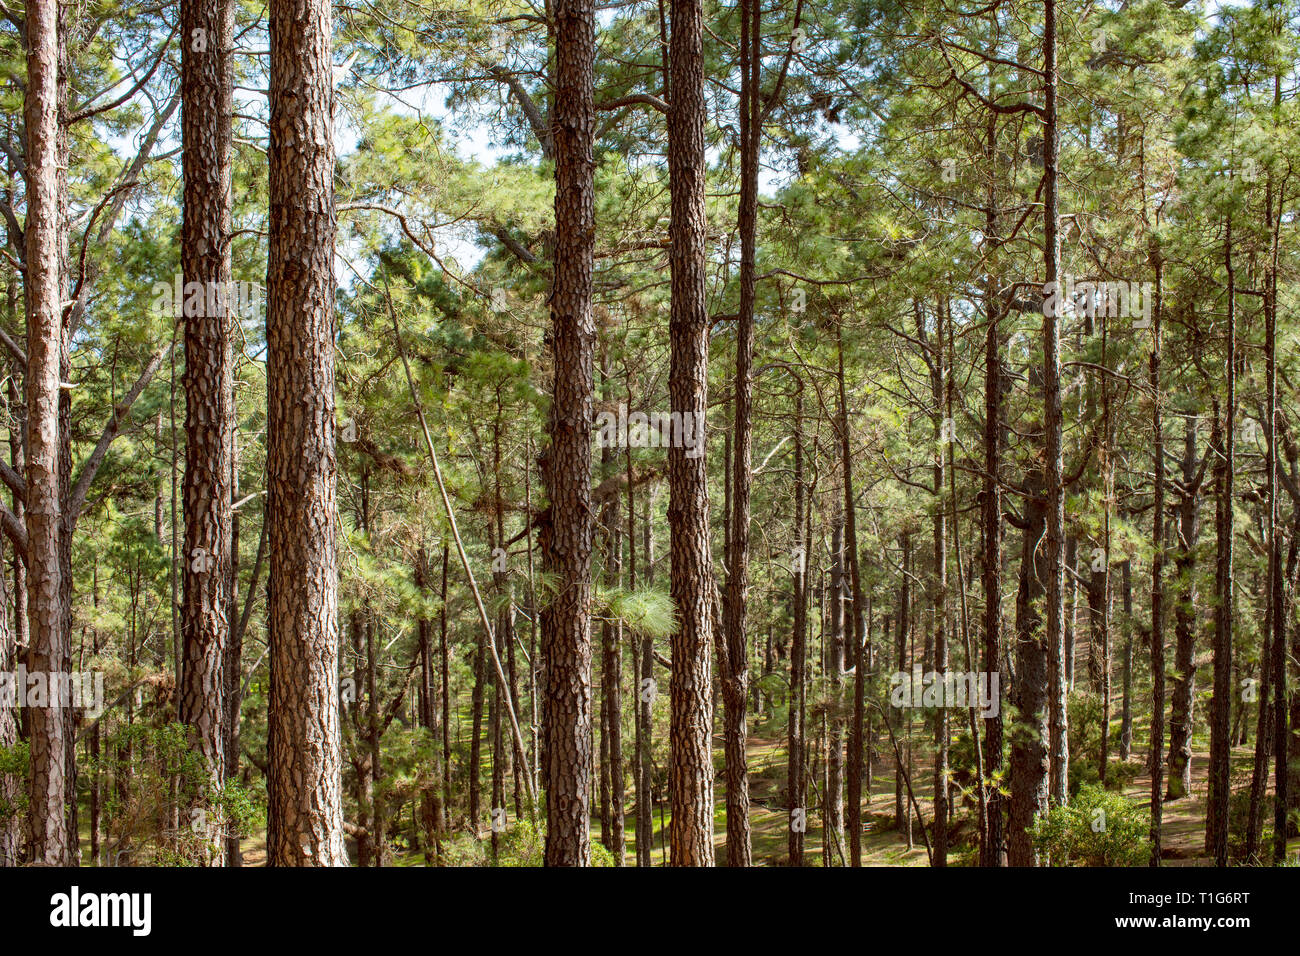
[(1098, 828)]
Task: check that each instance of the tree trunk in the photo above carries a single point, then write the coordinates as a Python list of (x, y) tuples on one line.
[(795, 785), (1216, 822), (567, 538), (1052, 427), (993, 850), (47, 830), (305, 815), (207, 31), (690, 773), (1157, 572), (1184, 677)]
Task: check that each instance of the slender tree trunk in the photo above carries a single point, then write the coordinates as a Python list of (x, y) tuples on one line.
[(1216, 824), (856, 630), (1184, 675), (11, 784), (902, 813), (612, 673), (1157, 571), (736, 674), (795, 779), (1052, 426), (993, 851)]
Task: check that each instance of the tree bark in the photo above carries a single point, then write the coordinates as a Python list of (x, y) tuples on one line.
[(47, 829), (305, 814), (690, 774), (567, 538), (207, 30)]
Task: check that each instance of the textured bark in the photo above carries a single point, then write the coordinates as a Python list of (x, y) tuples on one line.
[(47, 829), (690, 774), (567, 537), (207, 27), (305, 815)]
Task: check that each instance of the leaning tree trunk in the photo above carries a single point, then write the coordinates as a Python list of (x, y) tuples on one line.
[(305, 813), (690, 771), (567, 537), (206, 96)]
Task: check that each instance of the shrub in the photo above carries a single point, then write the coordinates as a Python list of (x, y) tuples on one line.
[(1097, 828)]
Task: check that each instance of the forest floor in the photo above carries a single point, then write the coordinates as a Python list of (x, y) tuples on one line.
[(1183, 831)]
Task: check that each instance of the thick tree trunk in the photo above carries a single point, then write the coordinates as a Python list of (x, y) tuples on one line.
[(305, 816), (567, 538), (690, 773), (207, 29), (47, 829)]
